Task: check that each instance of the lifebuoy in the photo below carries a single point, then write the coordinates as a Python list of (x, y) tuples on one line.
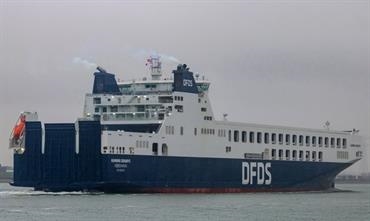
[(19, 127)]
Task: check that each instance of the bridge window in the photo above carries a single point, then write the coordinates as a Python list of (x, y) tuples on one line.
[(203, 109), (259, 137), (344, 143), (236, 136), (251, 137), (244, 136), (181, 130), (96, 110), (273, 138), (229, 135), (266, 138), (104, 109)]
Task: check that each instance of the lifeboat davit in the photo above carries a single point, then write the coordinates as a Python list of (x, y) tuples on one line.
[(19, 127)]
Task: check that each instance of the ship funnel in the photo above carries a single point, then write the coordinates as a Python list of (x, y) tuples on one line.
[(184, 80), (102, 70), (105, 83)]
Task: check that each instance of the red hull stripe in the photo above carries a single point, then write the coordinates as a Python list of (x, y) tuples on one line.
[(216, 190)]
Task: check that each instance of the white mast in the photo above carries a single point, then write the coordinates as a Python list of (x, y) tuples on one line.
[(155, 66)]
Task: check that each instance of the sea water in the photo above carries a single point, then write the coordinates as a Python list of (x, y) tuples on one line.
[(350, 202)]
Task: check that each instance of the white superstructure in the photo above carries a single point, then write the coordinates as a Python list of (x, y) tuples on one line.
[(150, 118)]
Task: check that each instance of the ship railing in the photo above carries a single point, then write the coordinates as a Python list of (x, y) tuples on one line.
[(133, 116), (159, 92)]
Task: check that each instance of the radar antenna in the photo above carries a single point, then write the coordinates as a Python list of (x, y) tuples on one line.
[(155, 66), (327, 125)]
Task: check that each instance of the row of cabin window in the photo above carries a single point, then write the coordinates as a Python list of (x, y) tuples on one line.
[(116, 150), (200, 100), (179, 98), (207, 118), (113, 109), (294, 139), (155, 149), (296, 155), (342, 155), (97, 100), (221, 132), (142, 143), (170, 130), (121, 150), (207, 131)]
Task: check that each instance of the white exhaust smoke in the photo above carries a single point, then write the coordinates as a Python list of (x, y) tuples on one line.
[(86, 63)]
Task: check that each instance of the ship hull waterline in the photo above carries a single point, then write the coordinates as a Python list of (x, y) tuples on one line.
[(165, 174)]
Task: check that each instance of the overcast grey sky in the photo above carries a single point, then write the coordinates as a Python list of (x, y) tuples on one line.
[(295, 63)]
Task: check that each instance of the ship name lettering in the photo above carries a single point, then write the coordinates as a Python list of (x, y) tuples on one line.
[(256, 173), (120, 160), (187, 83)]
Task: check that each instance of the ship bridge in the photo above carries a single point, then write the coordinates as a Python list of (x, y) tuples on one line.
[(136, 105), (164, 86)]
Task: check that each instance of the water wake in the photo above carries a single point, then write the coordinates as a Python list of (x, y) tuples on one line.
[(31, 192)]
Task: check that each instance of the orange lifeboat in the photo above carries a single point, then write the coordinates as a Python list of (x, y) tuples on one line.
[(19, 127)]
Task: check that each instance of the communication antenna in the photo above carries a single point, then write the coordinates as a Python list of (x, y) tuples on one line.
[(155, 66)]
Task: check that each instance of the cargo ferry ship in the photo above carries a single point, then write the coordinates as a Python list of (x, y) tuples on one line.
[(159, 135)]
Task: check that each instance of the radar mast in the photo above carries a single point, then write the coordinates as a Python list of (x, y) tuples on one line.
[(155, 66)]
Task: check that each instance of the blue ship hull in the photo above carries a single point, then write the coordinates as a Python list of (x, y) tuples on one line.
[(189, 174), (60, 168)]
